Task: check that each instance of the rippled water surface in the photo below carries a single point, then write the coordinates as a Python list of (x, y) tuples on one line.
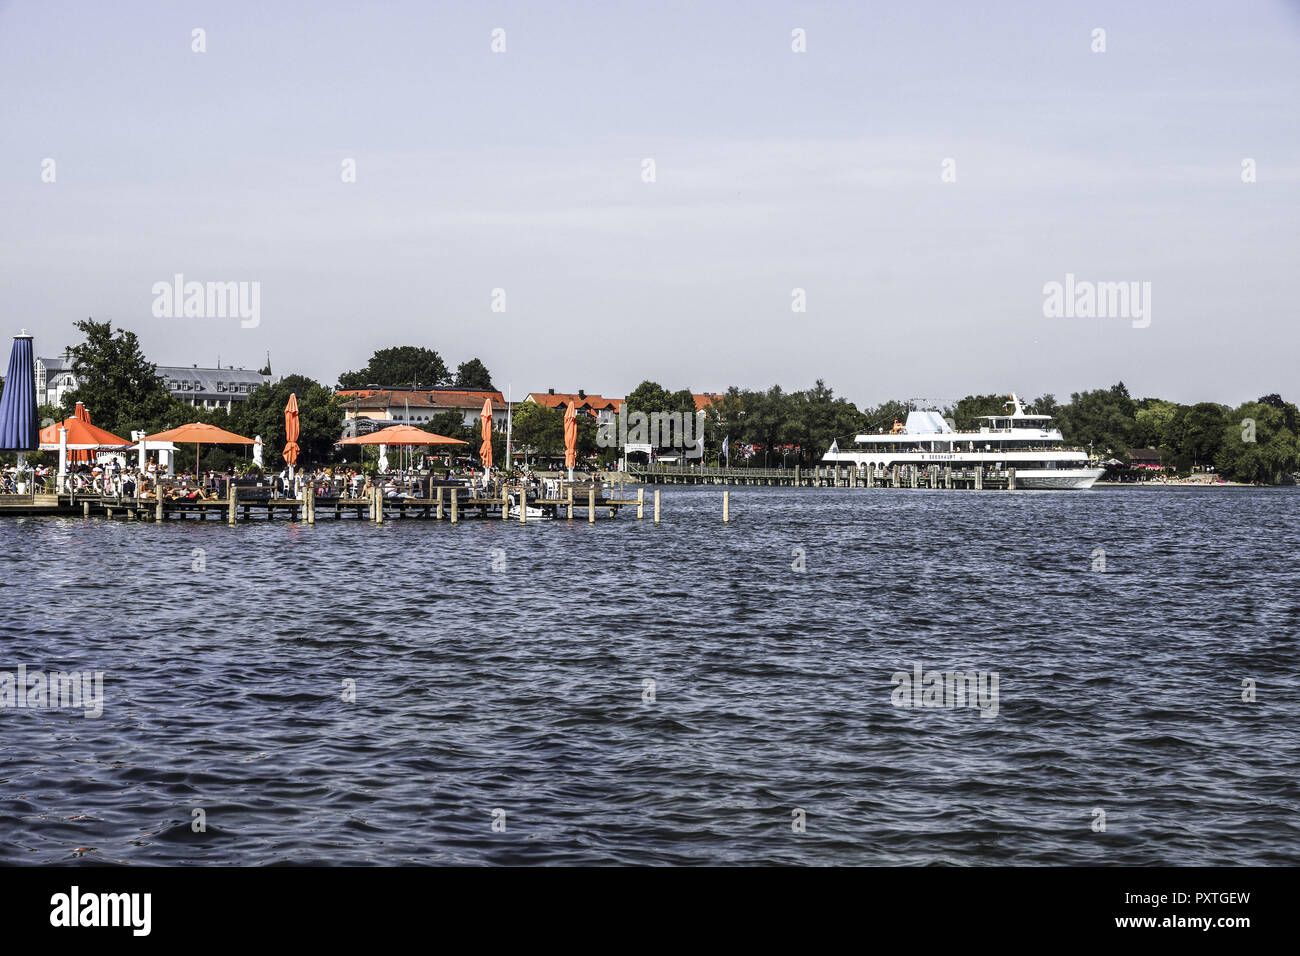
[(524, 689)]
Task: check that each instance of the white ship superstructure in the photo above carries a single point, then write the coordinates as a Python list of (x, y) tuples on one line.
[(1015, 439)]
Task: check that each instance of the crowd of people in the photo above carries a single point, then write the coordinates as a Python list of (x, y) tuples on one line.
[(115, 478)]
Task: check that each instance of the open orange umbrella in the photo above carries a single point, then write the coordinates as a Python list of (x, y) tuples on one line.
[(401, 435), (291, 430), (200, 433), (570, 438), (82, 436), (485, 450)]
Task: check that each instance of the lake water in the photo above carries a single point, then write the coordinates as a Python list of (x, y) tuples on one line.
[(501, 674)]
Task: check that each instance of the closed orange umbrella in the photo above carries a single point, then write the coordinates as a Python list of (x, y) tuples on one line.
[(81, 414), (570, 438), (291, 430), (485, 450)]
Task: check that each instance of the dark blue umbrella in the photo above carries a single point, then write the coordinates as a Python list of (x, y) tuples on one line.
[(18, 431)]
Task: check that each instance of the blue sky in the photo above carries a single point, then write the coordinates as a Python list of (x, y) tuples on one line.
[(775, 170)]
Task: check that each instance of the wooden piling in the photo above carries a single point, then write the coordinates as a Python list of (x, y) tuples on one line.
[(310, 502), (979, 476), (455, 506), (158, 506), (85, 509), (640, 504), (726, 507), (570, 502), (591, 505), (1011, 479), (523, 504), (440, 491), (232, 493), (379, 505), (656, 506)]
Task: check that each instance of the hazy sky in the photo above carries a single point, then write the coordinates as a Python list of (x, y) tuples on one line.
[(775, 170)]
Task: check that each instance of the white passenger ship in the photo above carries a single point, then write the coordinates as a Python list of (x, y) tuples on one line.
[(1015, 439)]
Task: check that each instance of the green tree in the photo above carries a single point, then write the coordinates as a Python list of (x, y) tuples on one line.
[(118, 385), (539, 428), (402, 366), (475, 376), (320, 420), (966, 413), (649, 397), (1257, 445), (1102, 418)]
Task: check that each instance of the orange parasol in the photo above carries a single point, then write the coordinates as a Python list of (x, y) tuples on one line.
[(81, 454), (200, 433), (82, 436), (570, 437), (291, 430), (485, 450), (401, 435)]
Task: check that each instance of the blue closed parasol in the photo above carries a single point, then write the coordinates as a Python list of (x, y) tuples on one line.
[(18, 431)]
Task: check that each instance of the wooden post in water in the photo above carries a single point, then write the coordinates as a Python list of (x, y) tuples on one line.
[(591, 505), (231, 494), (379, 505), (947, 477), (440, 490), (85, 509), (570, 502), (310, 502), (455, 504), (640, 504), (656, 506), (523, 504), (158, 512), (897, 477), (726, 507), (979, 476), (1011, 479)]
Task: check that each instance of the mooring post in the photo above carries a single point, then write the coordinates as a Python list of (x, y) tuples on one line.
[(979, 476), (591, 505), (85, 509), (311, 502), (640, 504), (231, 494), (440, 489), (726, 507), (1011, 479), (379, 505), (158, 507), (523, 504), (656, 506), (455, 504), (570, 502)]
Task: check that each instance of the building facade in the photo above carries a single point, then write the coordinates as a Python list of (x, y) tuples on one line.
[(420, 406), (200, 387)]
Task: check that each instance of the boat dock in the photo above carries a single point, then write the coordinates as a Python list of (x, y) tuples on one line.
[(835, 476), (445, 503)]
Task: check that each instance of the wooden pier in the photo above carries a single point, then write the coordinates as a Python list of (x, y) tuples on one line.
[(836, 476), (452, 504)]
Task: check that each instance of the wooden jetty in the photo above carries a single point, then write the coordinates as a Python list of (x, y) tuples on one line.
[(834, 476), (451, 503)]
